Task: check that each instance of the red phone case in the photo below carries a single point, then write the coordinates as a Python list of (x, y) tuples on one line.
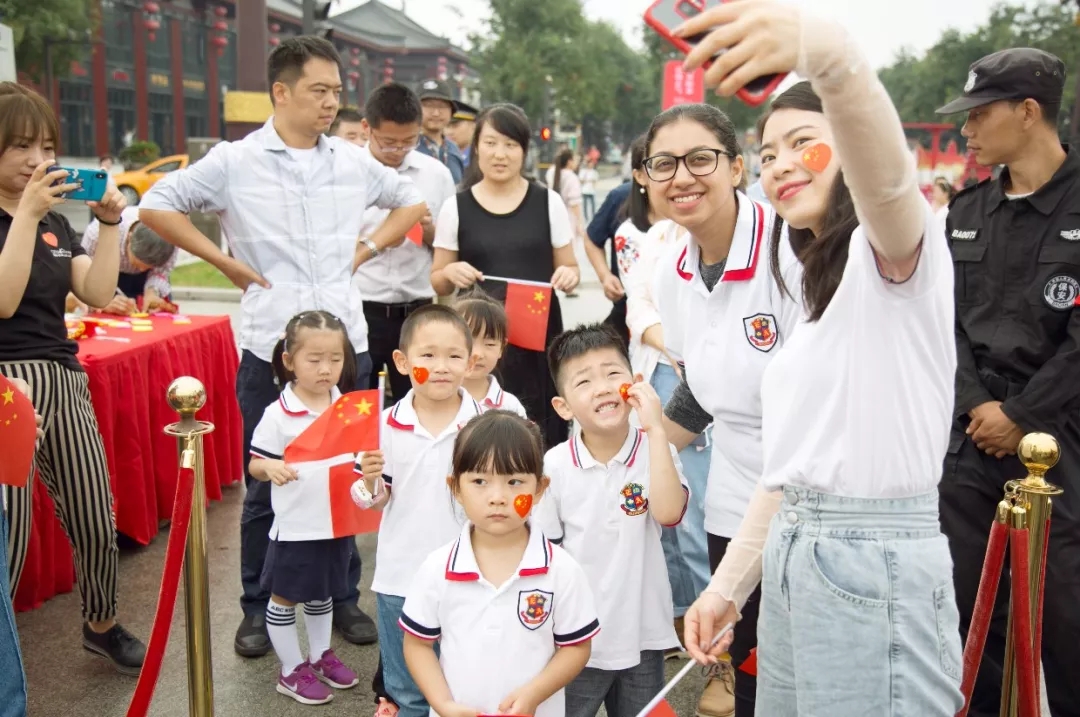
[(663, 16)]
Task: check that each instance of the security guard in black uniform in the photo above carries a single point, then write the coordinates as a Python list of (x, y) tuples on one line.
[(1016, 250)]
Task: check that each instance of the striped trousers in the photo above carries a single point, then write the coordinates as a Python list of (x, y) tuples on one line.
[(71, 462)]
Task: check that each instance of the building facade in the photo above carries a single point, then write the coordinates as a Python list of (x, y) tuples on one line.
[(160, 72)]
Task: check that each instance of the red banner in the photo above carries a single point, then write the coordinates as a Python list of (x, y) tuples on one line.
[(682, 88)]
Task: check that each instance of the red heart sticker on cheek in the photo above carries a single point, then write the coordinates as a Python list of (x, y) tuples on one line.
[(523, 504), (817, 158), (624, 391), (420, 374)]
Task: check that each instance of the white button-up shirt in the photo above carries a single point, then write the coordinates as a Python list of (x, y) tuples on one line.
[(296, 222), (402, 274)]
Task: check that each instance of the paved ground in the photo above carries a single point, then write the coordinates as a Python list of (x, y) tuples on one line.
[(63, 679)]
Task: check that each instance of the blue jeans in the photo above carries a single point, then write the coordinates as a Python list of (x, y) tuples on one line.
[(858, 613), (623, 693), (255, 390), (397, 681), (686, 549), (12, 678)]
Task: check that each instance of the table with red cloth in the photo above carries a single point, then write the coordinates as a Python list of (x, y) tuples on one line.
[(128, 381)]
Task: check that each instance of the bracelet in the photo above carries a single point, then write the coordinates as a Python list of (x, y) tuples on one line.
[(371, 247), (107, 224)]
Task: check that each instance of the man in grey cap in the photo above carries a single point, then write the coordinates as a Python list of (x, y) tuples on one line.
[(1016, 249), (439, 106)]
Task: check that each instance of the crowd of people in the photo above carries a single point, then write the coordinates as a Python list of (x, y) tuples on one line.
[(798, 418)]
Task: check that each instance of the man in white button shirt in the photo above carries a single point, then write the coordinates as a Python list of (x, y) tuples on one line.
[(398, 281), (291, 203)]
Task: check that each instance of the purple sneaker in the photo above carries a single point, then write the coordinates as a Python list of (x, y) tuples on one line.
[(333, 672), (304, 687)]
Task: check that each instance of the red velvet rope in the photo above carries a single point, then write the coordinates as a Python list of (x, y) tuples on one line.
[(170, 583), (1021, 624), (1038, 626), (984, 608)]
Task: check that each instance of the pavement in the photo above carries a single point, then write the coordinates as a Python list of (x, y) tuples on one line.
[(62, 679)]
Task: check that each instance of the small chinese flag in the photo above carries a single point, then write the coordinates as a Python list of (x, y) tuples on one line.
[(749, 665), (416, 235), (351, 425), (527, 309), (662, 710), (18, 434)]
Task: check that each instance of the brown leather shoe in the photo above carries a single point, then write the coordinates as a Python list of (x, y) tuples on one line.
[(718, 699)]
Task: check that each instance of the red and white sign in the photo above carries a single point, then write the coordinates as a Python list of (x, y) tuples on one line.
[(682, 88)]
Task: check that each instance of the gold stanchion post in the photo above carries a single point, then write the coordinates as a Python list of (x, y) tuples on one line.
[(187, 395), (1039, 452)]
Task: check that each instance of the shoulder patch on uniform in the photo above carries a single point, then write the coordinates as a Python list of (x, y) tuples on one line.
[(1061, 292), (761, 331)]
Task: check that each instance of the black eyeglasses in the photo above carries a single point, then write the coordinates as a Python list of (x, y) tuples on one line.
[(700, 163)]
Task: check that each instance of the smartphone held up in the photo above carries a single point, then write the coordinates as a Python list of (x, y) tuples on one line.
[(664, 16), (92, 183)]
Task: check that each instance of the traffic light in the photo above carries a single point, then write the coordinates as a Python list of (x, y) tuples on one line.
[(545, 134)]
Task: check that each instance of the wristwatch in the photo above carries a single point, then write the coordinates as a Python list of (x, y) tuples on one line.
[(370, 247)]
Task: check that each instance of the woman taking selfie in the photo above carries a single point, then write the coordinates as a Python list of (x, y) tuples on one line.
[(858, 615), (41, 259), (503, 225)]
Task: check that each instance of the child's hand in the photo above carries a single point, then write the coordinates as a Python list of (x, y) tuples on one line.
[(519, 702), (642, 397), (279, 474), (371, 464)]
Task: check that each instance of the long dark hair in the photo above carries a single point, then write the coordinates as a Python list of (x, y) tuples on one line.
[(823, 257), (636, 206), (288, 343), (506, 119), (562, 159)]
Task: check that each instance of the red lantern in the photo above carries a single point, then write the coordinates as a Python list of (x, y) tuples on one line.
[(355, 62), (221, 11), (151, 7), (275, 28), (356, 51), (274, 41), (221, 26), (152, 26)]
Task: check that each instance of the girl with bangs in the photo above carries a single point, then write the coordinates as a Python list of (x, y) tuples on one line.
[(512, 613), (41, 260)]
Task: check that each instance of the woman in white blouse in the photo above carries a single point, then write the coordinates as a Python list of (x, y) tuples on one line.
[(858, 616)]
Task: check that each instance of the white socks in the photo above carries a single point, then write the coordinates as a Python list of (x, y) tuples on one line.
[(281, 626), (319, 620)]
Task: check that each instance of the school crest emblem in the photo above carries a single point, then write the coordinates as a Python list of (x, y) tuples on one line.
[(971, 80), (761, 331), (534, 607), (1061, 292), (634, 501)]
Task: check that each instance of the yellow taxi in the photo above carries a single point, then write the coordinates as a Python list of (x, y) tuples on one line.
[(134, 184)]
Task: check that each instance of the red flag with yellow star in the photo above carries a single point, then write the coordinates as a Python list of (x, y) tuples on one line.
[(527, 309), (18, 434), (351, 425)]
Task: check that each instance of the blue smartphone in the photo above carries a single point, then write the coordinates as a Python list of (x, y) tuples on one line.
[(92, 183)]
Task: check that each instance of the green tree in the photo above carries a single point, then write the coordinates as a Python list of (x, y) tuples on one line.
[(65, 23)]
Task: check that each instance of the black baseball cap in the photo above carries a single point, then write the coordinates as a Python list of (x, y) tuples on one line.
[(436, 90), (1018, 73)]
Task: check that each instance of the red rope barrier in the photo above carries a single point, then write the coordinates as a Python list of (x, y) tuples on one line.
[(1021, 624), (170, 584), (1038, 626), (984, 608)]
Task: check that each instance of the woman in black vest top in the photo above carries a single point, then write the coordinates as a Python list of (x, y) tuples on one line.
[(501, 224)]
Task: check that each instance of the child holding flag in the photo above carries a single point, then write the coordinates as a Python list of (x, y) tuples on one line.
[(487, 319), (407, 476), (307, 561), (612, 488), (513, 614)]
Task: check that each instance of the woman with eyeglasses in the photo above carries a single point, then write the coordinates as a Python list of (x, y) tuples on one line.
[(723, 313)]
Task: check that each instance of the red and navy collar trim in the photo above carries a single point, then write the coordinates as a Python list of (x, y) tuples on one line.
[(750, 269), (458, 571), (294, 407), (626, 456), (395, 422), (497, 401)]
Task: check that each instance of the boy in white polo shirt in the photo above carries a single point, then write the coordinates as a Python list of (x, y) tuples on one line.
[(612, 488)]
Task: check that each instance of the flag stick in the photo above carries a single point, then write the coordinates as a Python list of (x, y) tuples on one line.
[(682, 673), (382, 393), (517, 281)]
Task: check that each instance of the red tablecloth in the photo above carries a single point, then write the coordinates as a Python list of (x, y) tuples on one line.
[(127, 384)]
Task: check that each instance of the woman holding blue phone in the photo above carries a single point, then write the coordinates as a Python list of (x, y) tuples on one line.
[(41, 260)]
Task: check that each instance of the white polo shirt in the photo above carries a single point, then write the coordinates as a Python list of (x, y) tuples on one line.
[(494, 639), (402, 274), (421, 513), (860, 403), (301, 507), (600, 514), (498, 398), (728, 336)]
